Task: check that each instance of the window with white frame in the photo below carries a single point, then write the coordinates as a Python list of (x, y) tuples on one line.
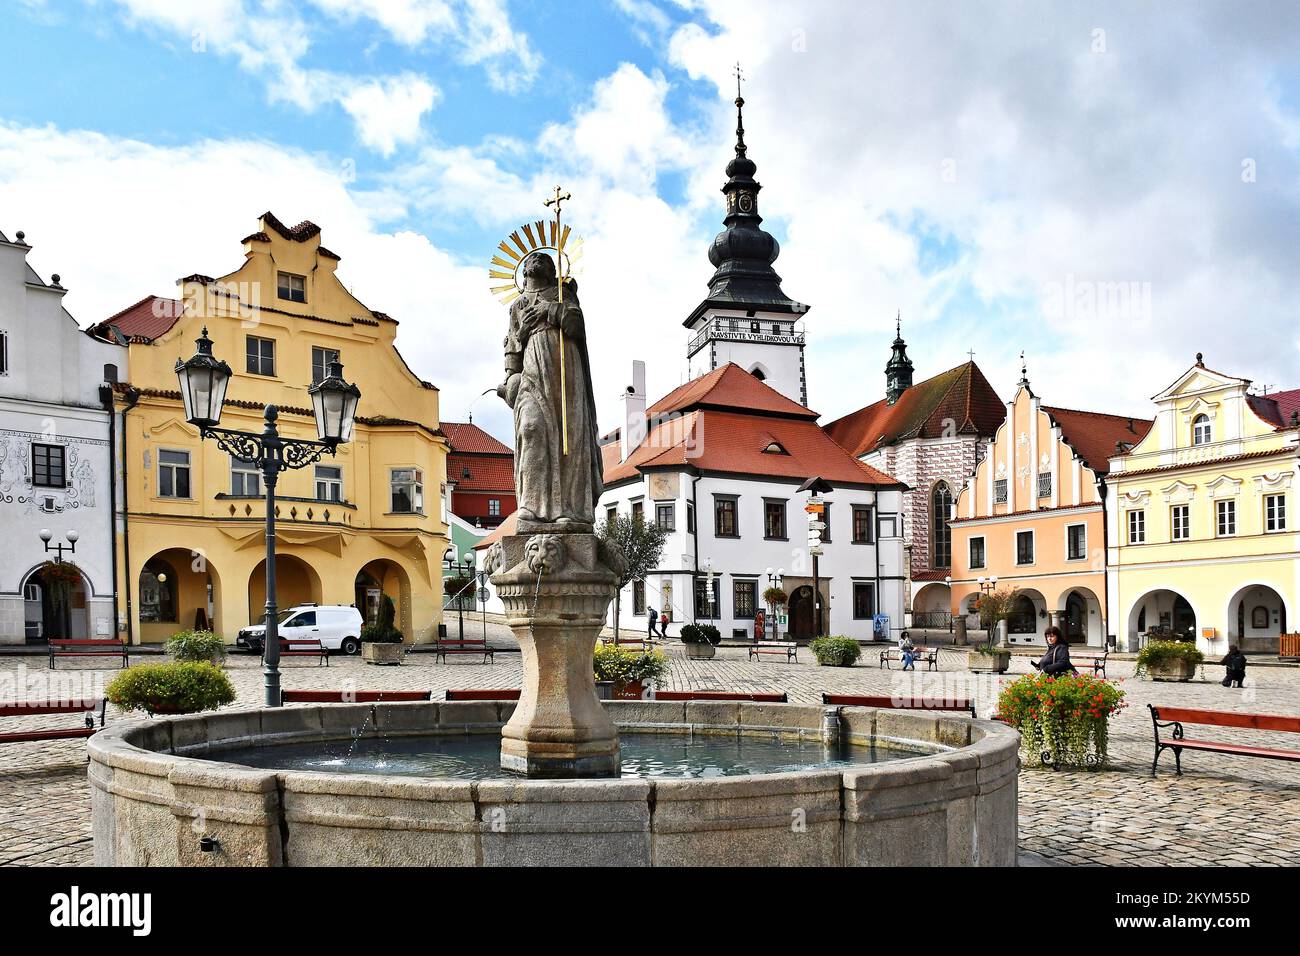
[(1137, 526), (173, 474), (1225, 518), (329, 482), (1275, 512), (292, 288), (407, 487), (1024, 547), (1202, 430), (666, 515), (1076, 542), (48, 466), (978, 557), (1180, 523), (494, 507), (245, 479)]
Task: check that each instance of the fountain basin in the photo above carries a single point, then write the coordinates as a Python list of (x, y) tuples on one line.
[(160, 785)]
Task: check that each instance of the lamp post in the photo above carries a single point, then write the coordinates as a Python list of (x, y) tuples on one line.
[(775, 580), (58, 549), (203, 380), (947, 580), (466, 569)]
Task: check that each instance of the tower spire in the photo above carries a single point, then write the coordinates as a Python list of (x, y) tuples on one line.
[(740, 115), (898, 373)]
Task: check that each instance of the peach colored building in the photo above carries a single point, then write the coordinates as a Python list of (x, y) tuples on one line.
[(1033, 517)]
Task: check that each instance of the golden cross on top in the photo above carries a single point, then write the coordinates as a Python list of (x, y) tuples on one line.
[(557, 199)]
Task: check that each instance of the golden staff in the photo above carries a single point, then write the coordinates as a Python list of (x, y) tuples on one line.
[(555, 201)]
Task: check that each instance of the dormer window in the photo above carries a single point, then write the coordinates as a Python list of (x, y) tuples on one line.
[(758, 374), (291, 288), (1202, 432), (774, 448)]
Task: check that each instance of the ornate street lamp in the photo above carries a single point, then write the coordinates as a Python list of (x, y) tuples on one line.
[(58, 549), (203, 380)]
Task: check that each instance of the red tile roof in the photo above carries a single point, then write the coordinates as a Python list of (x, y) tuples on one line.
[(961, 395), (1206, 463), (729, 387), (485, 472), (468, 438), (1276, 409), (506, 527), (144, 321), (722, 423), (1094, 435)]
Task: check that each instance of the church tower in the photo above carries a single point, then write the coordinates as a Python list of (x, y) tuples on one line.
[(746, 318), (898, 373)]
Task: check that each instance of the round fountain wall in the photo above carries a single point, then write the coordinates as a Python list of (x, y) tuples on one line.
[(159, 786)]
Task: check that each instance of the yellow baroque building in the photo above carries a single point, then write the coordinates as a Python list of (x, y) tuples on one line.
[(1201, 518), (350, 528), (1033, 516)]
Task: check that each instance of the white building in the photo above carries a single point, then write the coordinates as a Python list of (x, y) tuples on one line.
[(720, 467), (55, 459)]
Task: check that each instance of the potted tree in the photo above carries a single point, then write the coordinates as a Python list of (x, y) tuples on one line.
[(178, 687), (640, 542), (700, 640), (994, 608), (1169, 660), (381, 642)]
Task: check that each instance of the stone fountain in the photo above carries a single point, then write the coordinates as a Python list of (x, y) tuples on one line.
[(554, 575)]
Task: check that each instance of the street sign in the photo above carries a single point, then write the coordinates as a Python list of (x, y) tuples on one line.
[(815, 551), (816, 525), (814, 509), (483, 595)]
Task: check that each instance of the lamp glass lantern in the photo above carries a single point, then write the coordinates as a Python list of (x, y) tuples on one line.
[(335, 403), (203, 380)]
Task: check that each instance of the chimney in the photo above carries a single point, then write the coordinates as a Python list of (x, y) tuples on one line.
[(633, 431)]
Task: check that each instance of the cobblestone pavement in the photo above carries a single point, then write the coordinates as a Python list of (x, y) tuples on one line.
[(1222, 811)]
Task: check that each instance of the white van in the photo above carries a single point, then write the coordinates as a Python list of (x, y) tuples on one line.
[(336, 626)]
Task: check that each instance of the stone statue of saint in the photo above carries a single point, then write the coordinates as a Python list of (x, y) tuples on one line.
[(552, 488)]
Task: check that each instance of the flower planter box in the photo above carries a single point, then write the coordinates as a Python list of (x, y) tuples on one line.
[(1175, 669), (374, 653), (702, 651), (995, 663), (633, 690)]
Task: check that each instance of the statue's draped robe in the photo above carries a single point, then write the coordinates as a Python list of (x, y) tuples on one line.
[(551, 485)]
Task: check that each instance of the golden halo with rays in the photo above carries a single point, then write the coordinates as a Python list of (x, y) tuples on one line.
[(506, 269)]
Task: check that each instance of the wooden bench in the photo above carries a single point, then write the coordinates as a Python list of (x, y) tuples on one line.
[(462, 645), (106, 647), (787, 648), (1176, 717), (28, 708), (352, 696), (304, 647), (928, 654), (721, 695), (505, 693), (900, 703), (642, 643), (1097, 663)]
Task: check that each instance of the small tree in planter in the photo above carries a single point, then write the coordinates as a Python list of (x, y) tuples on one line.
[(836, 651), (1064, 720), (700, 640), (1169, 660), (993, 607), (180, 687), (642, 545), (197, 646), (629, 671), (381, 642)]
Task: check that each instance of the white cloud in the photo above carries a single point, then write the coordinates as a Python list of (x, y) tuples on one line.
[(387, 112)]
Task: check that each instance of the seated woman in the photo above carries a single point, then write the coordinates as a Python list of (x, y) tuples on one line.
[(908, 652), (1057, 658)]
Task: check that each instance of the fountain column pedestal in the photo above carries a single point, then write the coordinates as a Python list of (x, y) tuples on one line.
[(556, 585)]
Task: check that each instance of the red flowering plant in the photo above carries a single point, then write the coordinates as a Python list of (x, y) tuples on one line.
[(1064, 720)]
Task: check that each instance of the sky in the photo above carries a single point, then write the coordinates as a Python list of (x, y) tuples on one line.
[(1109, 188)]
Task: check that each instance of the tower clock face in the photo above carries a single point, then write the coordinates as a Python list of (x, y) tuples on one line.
[(746, 202)]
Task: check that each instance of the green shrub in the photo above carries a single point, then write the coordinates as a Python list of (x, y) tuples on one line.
[(623, 666), (1063, 719), (836, 651), (382, 632), (700, 634), (1159, 652), (181, 687), (197, 646)]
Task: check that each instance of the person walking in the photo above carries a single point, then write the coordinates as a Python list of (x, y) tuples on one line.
[(652, 618), (663, 624), (1057, 658), (1235, 662)]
